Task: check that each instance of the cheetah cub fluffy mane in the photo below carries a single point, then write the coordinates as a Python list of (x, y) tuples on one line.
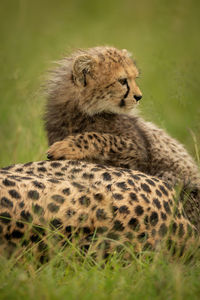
[(89, 116)]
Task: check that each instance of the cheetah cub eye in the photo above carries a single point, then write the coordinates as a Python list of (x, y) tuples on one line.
[(123, 81)]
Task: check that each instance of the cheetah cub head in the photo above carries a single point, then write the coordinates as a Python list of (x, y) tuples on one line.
[(105, 79), (95, 80)]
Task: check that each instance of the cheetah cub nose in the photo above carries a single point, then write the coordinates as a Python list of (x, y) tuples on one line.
[(137, 97)]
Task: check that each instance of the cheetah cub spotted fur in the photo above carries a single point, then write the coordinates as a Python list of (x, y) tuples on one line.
[(44, 205), (90, 116)]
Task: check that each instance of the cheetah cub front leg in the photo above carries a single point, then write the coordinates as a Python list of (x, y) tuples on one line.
[(89, 145)]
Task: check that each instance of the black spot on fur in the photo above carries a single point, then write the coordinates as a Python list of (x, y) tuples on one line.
[(102, 229), (101, 214), (38, 229), (146, 220), (181, 230), (149, 181), (5, 202), (59, 174), (28, 164), (142, 236), (19, 224), (8, 182), (117, 196), (66, 191), (25, 178), (157, 203), (8, 168), (124, 210), (114, 210), (55, 164), (88, 175), (78, 186), (133, 197), (5, 218), (70, 212), (26, 216), (147, 246), (83, 217), (14, 194), (19, 170), (75, 170), (98, 197), (56, 223), (145, 187), (84, 200), (68, 229), (35, 238), (58, 198), (42, 247), (163, 216), (162, 188), (86, 230), (37, 209), (158, 193), (145, 198), (108, 187), (118, 226), (134, 224), (42, 169), (154, 218), (106, 176), (16, 234), (139, 210), (168, 186), (38, 184), (113, 236), (118, 174), (174, 227), (129, 235), (33, 194), (167, 207), (162, 230), (53, 180), (52, 207), (130, 182), (21, 204), (122, 185)]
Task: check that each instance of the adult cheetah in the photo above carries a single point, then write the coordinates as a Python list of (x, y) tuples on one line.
[(89, 116), (45, 203)]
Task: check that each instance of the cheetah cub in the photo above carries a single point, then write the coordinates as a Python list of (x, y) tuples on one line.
[(90, 116)]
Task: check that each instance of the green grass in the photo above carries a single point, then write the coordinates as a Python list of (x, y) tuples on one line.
[(68, 276), (164, 38)]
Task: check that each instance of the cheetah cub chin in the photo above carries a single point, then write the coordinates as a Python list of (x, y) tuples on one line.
[(89, 116)]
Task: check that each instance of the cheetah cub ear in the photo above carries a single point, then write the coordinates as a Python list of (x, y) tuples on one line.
[(83, 65), (127, 53)]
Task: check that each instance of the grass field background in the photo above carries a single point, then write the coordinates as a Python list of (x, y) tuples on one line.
[(164, 39)]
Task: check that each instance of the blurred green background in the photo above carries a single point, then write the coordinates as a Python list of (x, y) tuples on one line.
[(163, 36)]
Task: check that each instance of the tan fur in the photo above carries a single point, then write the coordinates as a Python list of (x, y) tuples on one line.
[(118, 206), (88, 115)]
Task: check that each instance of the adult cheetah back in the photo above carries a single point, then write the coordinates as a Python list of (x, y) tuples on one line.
[(117, 206)]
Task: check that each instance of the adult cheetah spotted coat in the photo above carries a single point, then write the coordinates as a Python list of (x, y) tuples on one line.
[(106, 206)]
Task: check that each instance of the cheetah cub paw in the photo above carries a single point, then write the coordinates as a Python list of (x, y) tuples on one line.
[(65, 150)]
